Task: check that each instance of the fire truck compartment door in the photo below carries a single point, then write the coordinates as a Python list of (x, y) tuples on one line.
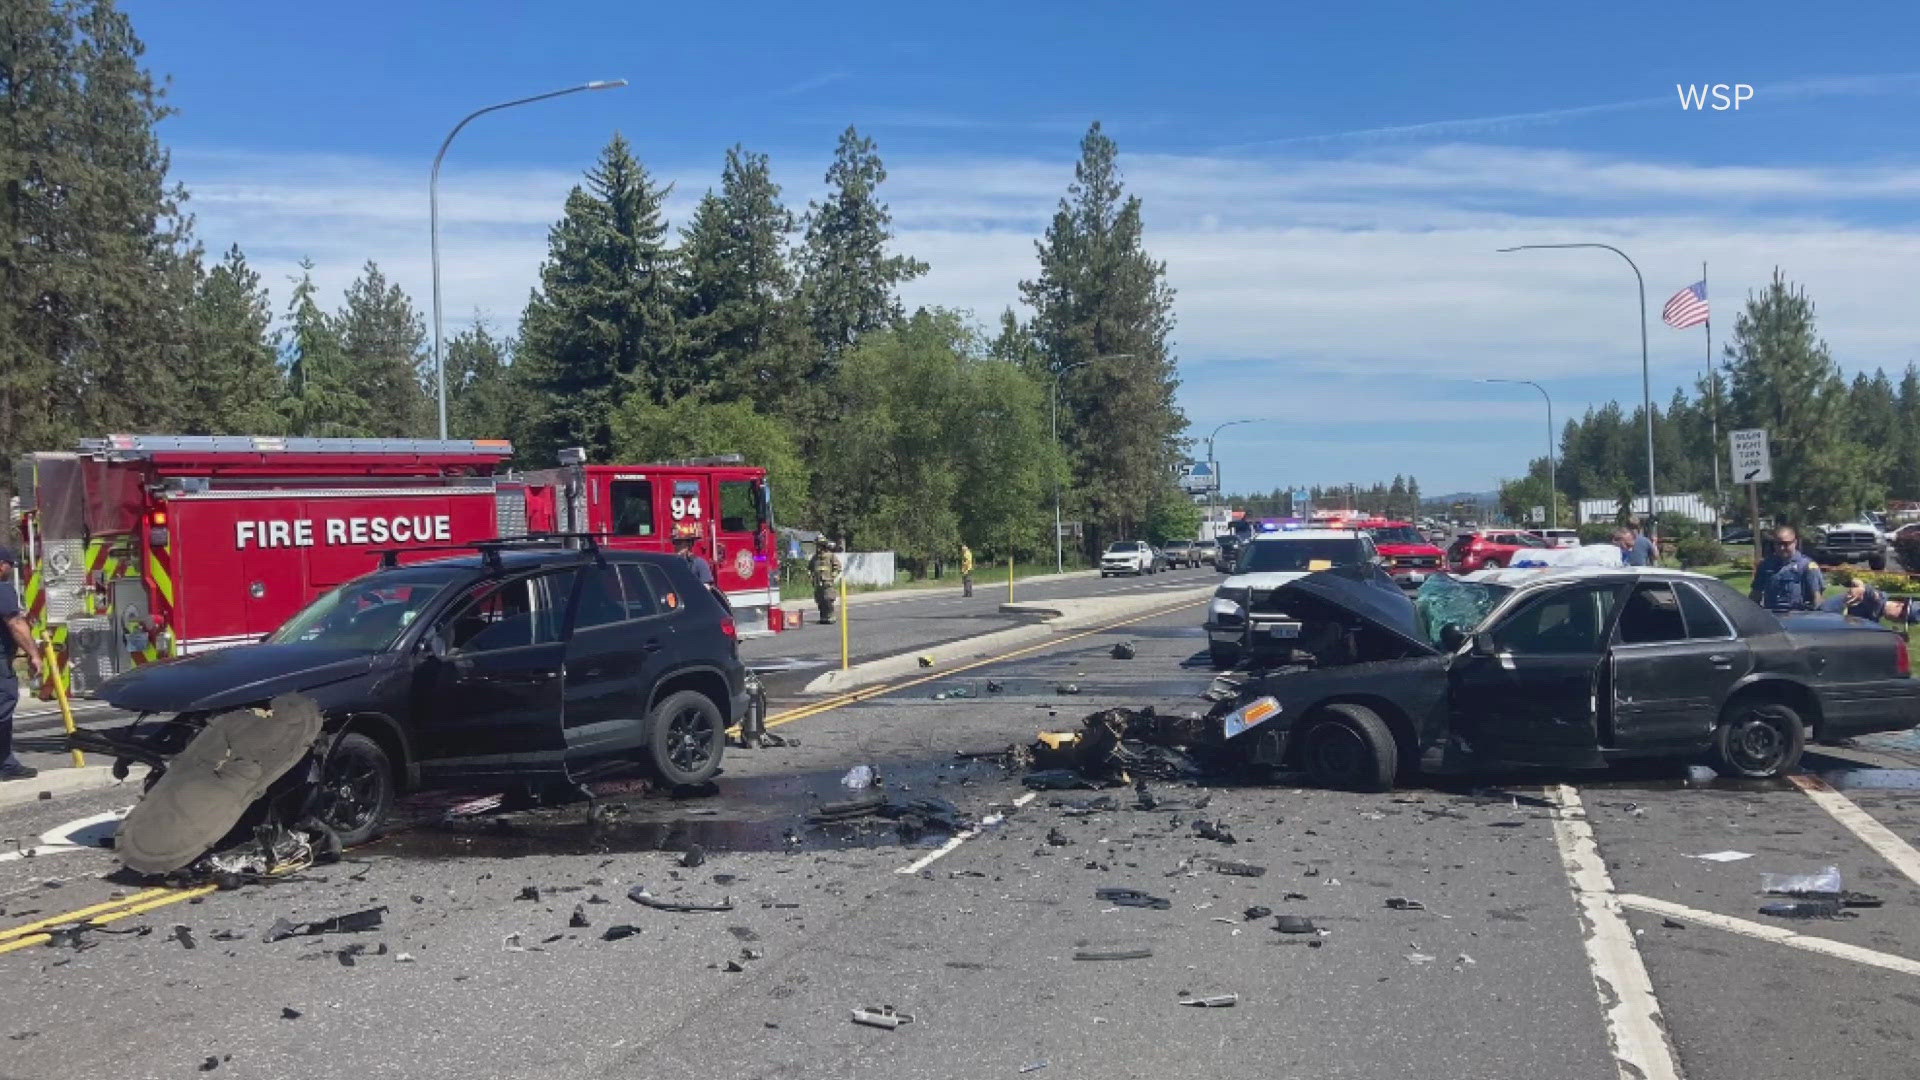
[(487, 693), (132, 618)]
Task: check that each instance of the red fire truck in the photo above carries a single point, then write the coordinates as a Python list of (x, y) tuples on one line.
[(141, 547)]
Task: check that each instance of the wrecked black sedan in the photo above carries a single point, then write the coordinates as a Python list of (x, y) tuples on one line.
[(526, 664), (1572, 668)]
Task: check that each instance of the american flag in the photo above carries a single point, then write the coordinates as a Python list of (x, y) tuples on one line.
[(1688, 307)]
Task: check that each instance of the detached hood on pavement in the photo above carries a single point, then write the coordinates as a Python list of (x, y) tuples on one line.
[(228, 678), (1364, 592)]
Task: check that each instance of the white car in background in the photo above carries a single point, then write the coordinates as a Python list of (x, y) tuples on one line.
[(1128, 557), (1560, 538), (1268, 561)]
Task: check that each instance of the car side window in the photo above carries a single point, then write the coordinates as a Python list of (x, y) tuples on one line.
[(639, 595), (1572, 620), (1703, 619), (600, 601), (510, 614), (1652, 614), (665, 595)]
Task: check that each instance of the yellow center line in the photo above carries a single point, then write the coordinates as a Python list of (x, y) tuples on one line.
[(147, 900)]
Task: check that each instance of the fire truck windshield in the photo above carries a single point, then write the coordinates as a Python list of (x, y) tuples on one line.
[(364, 615)]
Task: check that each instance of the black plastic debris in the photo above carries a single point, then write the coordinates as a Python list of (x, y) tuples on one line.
[(1113, 954), (732, 967), (1294, 896), (1057, 780), (1294, 924), (639, 895), (994, 687), (351, 923), (1131, 898), (1215, 831), (1804, 909), (616, 932), (1401, 903), (578, 920), (1212, 1001), (74, 935), (1083, 807), (183, 934), (1238, 869), (347, 953), (1067, 688), (1859, 899), (288, 1012), (1056, 838), (847, 809), (1256, 912), (1123, 651), (211, 1063), (693, 856), (1673, 925), (530, 892)]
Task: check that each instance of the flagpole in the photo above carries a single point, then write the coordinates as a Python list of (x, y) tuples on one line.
[(1713, 384)]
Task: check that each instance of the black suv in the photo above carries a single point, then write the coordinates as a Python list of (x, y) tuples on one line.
[(527, 662)]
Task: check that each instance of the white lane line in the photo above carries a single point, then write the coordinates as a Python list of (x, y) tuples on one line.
[(65, 837), (962, 837), (1862, 824), (1639, 1041), (1776, 934)]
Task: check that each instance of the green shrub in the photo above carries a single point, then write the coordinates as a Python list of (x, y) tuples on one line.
[(1886, 583), (1700, 551), (1597, 534)]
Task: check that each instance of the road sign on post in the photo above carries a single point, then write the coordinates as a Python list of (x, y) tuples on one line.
[(1752, 464), (1539, 513)]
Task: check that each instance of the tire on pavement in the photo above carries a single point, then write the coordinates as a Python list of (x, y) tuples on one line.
[(1349, 747), (1757, 739), (685, 738), (356, 789)]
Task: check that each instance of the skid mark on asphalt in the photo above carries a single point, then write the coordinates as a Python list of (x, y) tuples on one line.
[(1634, 1029), (1862, 824), (1776, 934)]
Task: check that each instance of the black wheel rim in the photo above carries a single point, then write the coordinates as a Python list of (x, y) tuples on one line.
[(690, 736), (1336, 752), (353, 786), (1756, 742)]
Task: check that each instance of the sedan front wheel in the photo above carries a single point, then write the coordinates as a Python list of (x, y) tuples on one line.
[(1758, 740)]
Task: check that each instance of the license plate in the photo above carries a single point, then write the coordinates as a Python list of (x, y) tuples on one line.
[(1283, 629)]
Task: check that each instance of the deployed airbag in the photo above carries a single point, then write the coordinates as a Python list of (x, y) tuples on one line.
[(209, 786)]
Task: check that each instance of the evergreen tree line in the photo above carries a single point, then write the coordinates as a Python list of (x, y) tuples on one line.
[(752, 330), (1838, 446), (1398, 500)]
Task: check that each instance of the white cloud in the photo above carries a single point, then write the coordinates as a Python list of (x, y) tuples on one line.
[(1364, 285)]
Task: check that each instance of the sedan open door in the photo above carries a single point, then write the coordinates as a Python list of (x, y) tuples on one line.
[(1528, 689)]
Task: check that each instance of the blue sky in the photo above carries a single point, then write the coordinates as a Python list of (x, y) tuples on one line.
[(1327, 187)]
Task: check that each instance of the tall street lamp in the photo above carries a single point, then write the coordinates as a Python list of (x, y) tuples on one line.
[(1059, 550), (1553, 482), (1213, 502), (1646, 382), (433, 215)]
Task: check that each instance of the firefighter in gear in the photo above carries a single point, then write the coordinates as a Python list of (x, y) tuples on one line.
[(966, 570), (825, 568)]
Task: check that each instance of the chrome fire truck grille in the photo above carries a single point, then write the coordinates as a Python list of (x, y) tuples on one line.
[(63, 576), (92, 653), (510, 512)]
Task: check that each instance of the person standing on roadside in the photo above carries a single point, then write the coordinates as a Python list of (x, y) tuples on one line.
[(1644, 551), (15, 637), (825, 569), (1623, 539), (1787, 580), (966, 570), (702, 569)]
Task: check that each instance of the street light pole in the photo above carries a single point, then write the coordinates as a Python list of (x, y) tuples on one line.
[(433, 218), (1213, 500), (1059, 550), (1646, 381), (1553, 481)]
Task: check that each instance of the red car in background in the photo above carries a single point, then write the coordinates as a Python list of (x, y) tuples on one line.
[(1489, 548), (1410, 559)]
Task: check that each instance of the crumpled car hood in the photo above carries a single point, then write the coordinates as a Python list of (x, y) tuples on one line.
[(228, 678), (1366, 593)]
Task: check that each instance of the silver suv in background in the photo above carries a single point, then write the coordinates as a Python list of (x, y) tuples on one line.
[(1128, 557)]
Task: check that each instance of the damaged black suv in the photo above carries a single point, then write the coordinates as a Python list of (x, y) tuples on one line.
[(526, 663)]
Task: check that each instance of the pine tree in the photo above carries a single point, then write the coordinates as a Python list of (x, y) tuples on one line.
[(1906, 475), (322, 400), (96, 262), (603, 322), (480, 387), (850, 283), (1873, 421), (1780, 377), (230, 381), (743, 338), (384, 342), (1102, 301)]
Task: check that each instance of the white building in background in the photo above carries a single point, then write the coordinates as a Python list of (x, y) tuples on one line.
[(1604, 511)]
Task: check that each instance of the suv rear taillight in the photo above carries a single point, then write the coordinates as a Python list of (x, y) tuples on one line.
[(728, 628), (1902, 660)]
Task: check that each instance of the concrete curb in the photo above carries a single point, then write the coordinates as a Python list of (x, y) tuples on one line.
[(54, 783), (1060, 617)]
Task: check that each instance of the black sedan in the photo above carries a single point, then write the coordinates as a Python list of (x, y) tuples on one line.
[(1568, 668)]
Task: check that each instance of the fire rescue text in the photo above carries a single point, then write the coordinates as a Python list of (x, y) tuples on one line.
[(358, 530)]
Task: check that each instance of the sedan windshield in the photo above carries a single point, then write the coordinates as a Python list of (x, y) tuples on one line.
[(1398, 534), (1446, 601), (365, 615), (1291, 556)]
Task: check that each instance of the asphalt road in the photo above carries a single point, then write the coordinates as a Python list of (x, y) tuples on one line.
[(1495, 977)]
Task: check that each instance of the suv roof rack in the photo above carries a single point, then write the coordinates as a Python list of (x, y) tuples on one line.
[(490, 549)]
